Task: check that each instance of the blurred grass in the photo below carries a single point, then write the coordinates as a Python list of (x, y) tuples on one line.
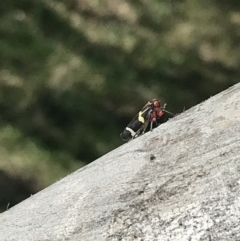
[(21, 156)]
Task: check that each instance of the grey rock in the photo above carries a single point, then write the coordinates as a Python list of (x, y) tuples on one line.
[(189, 191)]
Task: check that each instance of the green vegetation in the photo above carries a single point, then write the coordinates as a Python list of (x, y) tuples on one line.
[(73, 73)]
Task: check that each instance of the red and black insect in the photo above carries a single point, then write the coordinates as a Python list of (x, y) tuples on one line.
[(151, 116)]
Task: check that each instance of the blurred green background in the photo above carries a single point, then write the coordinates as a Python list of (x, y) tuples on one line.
[(73, 73)]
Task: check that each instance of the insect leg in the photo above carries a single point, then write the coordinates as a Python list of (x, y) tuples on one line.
[(151, 126)]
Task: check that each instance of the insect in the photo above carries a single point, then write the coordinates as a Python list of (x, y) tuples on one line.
[(150, 116)]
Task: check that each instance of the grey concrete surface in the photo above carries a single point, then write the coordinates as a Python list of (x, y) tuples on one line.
[(189, 190)]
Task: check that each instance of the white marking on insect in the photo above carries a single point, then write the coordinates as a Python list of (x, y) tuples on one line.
[(131, 131)]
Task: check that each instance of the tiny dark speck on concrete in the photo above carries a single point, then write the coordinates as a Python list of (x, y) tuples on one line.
[(152, 157)]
